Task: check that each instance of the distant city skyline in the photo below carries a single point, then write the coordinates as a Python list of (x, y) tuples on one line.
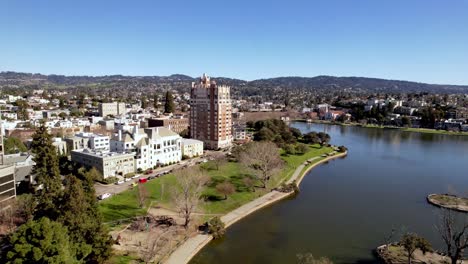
[(421, 41)]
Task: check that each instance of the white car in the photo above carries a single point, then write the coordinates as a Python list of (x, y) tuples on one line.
[(127, 179), (104, 196), (136, 176), (119, 182)]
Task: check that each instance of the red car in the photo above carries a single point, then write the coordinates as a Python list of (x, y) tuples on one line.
[(143, 180)]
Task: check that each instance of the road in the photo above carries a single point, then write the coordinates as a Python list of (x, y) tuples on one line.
[(114, 188)]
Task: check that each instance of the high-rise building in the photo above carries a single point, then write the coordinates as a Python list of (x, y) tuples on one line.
[(210, 113)]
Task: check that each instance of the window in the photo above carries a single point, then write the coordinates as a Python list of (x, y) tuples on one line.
[(6, 178)]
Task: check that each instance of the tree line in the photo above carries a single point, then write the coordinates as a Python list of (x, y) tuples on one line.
[(62, 223)]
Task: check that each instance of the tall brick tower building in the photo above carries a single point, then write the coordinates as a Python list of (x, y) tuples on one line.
[(210, 113)]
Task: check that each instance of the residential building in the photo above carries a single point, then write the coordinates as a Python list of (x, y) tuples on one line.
[(176, 124), (7, 179), (88, 140), (60, 145), (23, 163), (210, 113), (110, 164), (115, 109), (152, 146), (7, 185), (192, 148)]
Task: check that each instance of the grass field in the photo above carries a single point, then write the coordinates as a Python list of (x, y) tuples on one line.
[(125, 204)]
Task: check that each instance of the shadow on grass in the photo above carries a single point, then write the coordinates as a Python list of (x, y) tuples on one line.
[(211, 197), (215, 180), (113, 212), (238, 182)]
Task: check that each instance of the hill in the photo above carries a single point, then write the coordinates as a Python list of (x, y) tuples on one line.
[(319, 84)]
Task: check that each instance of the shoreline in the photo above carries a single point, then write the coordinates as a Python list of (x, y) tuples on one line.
[(193, 245), (404, 129), (455, 207)]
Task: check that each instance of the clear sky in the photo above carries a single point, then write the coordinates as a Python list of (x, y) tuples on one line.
[(416, 40)]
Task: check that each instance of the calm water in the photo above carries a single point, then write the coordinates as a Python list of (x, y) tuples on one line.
[(347, 206)]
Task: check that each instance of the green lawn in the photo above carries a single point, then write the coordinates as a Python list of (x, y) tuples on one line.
[(125, 204), (293, 161)]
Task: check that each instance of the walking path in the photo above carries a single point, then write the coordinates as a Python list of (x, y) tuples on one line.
[(193, 245)]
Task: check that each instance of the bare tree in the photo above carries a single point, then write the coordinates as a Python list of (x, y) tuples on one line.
[(249, 183), (155, 246), (187, 191), (263, 159), (15, 213), (454, 233), (219, 162), (142, 194), (225, 188)]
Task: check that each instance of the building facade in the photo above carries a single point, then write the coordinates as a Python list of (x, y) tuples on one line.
[(115, 109), (210, 113), (191, 148), (110, 164), (88, 140), (7, 185), (152, 146), (175, 124)]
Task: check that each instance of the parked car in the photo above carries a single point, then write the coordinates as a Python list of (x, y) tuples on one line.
[(136, 176), (127, 179), (120, 182), (104, 196), (151, 177), (142, 180)]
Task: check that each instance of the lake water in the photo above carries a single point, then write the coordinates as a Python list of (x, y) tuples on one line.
[(348, 206)]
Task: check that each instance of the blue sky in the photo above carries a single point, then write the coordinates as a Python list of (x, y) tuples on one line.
[(417, 40)]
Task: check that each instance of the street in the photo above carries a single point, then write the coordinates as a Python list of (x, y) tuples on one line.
[(118, 188)]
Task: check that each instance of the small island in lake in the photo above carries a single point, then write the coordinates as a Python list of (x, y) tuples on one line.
[(396, 254), (449, 201)]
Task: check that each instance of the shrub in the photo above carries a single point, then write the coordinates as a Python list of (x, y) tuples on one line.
[(216, 227), (289, 149), (342, 149), (110, 180), (129, 175), (139, 170), (301, 148), (286, 188)]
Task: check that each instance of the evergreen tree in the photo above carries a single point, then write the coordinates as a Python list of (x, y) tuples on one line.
[(13, 145), (169, 106), (144, 103), (81, 216), (46, 173), (40, 241)]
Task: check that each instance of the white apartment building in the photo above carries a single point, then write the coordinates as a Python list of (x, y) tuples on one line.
[(152, 146), (192, 148), (88, 140), (114, 109), (60, 145), (110, 164)]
